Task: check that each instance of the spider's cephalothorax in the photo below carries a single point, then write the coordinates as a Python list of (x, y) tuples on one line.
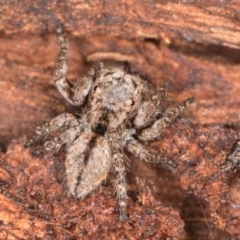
[(117, 110)]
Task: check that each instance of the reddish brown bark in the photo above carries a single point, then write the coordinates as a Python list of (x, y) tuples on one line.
[(34, 205), (190, 48)]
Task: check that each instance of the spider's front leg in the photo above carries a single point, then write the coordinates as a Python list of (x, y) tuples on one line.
[(119, 161), (158, 127), (149, 109), (76, 94)]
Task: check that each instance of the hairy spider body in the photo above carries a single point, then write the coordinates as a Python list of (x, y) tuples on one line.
[(114, 104), (233, 158)]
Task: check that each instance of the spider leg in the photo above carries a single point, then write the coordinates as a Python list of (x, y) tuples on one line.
[(233, 159), (75, 95), (84, 85), (158, 127), (121, 180), (149, 109), (121, 183), (67, 137), (139, 150), (61, 82), (66, 120)]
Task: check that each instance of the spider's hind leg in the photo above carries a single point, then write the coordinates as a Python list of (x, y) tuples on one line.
[(119, 166), (64, 120), (121, 183), (139, 150), (66, 138)]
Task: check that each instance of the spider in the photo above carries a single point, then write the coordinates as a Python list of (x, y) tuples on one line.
[(233, 158), (118, 112)]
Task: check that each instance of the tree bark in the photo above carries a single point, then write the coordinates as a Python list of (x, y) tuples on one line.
[(191, 48)]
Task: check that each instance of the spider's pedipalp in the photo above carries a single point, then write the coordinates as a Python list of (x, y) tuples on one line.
[(158, 126)]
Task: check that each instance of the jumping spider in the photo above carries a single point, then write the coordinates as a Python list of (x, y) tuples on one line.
[(118, 111), (233, 158)]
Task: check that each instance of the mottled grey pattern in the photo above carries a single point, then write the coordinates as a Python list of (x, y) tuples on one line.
[(233, 158), (118, 111)]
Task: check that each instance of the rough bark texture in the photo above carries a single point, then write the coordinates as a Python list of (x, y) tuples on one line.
[(192, 48), (34, 206)]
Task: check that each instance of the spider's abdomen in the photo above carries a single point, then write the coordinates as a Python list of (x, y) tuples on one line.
[(87, 164)]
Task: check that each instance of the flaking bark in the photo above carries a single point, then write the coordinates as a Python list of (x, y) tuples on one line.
[(190, 48)]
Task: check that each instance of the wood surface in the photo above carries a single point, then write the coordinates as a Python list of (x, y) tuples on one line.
[(190, 47)]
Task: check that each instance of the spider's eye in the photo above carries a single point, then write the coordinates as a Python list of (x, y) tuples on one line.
[(132, 103), (95, 88)]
